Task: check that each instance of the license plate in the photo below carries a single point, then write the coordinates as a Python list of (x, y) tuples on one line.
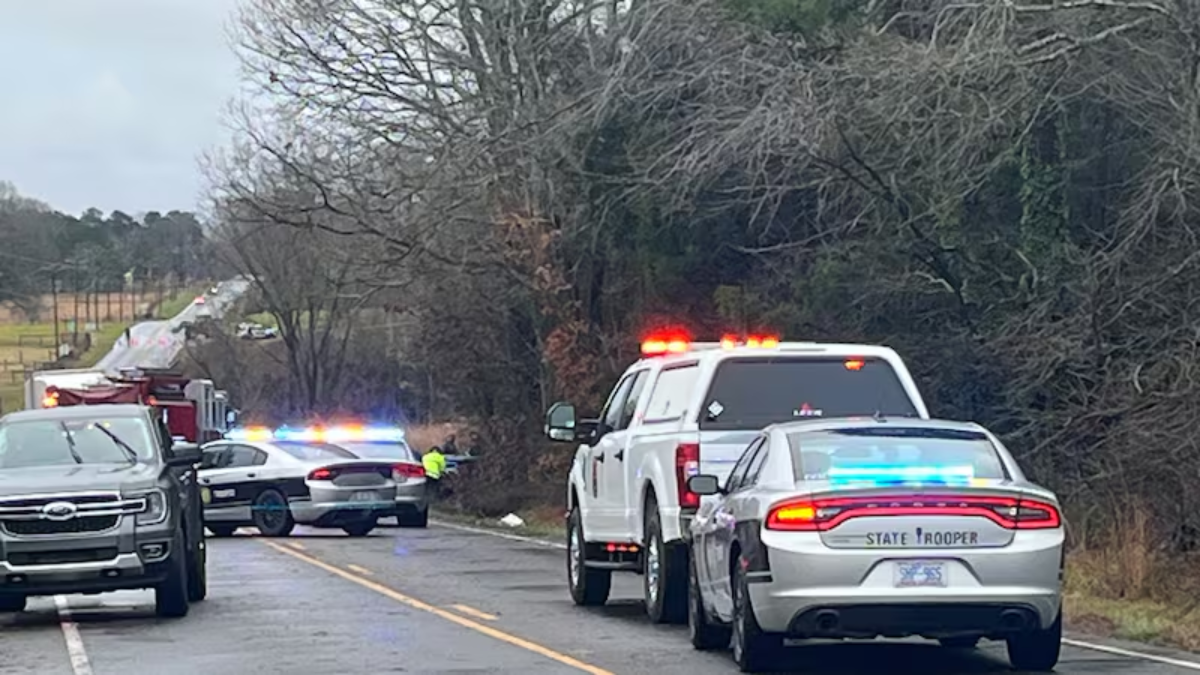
[(920, 574), (364, 497)]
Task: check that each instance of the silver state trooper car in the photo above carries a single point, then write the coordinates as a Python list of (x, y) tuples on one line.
[(865, 528), (273, 485)]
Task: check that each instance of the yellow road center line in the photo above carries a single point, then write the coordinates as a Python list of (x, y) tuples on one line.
[(359, 569), (296, 545), (448, 616), (471, 611)]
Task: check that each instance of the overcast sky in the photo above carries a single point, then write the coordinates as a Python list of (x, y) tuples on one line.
[(108, 103)]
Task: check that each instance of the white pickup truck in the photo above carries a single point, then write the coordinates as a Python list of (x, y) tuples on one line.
[(688, 408)]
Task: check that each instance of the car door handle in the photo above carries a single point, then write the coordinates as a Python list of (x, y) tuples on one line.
[(206, 481), (620, 455), (251, 475), (600, 457)]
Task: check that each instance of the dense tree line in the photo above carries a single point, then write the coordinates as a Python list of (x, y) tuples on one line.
[(40, 247), (1005, 191)]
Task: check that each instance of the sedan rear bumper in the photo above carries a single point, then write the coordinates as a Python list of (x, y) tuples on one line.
[(810, 590)]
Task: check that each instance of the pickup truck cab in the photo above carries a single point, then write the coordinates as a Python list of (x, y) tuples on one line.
[(97, 498), (685, 409)]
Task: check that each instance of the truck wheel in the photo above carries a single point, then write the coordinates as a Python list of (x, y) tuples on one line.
[(272, 515), (221, 530), (1037, 650), (198, 573), (665, 574), (360, 529), (171, 595), (12, 603), (589, 587)]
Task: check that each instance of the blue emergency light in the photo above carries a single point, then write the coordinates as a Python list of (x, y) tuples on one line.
[(344, 433), (891, 475)]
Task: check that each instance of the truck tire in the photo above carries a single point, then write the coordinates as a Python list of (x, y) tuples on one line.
[(589, 587), (271, 514), (665, 573), (171, 594), (12, 603), (198, 573)]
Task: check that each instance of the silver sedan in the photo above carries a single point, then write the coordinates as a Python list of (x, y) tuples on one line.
[(857, 529)]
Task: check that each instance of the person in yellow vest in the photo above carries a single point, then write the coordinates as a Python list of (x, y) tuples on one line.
[(435, 465)]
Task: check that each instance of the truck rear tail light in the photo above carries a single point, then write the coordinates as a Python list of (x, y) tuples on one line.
[(819, 515), (323, 473), (687, 464), (406, 471)]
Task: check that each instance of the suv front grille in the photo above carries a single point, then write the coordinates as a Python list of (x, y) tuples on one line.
[(80, 525), (72, 513)]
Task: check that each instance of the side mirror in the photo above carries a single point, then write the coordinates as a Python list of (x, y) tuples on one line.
[(561, 423), (184, 454), (704, 485)]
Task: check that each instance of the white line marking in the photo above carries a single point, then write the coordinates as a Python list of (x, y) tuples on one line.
[(501, 535), (79, 658), (1128, 653), (1190, 665)]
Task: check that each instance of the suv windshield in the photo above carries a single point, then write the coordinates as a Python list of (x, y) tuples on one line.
[(55, 442), (314, 451), (381, 450), (894, 454), (751, 393)]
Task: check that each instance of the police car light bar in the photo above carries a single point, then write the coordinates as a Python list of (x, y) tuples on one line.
[(345, 433)]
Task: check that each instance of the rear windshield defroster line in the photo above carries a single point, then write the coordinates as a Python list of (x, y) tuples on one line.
[(751, 393)]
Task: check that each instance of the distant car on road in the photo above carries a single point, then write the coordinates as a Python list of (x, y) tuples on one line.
[(256, 331), (860, 528), (253, 479), (96, 499)]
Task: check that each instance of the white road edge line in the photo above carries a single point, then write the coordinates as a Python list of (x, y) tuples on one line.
[(1180, 663), (79, 658), (499, 535)]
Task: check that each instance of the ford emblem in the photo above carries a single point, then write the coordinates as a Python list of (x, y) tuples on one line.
[(58, 511)]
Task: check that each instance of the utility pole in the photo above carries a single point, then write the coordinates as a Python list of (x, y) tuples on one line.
[(54, 299)]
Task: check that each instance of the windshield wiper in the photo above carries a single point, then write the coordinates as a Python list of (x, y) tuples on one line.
[(71, 443), (129, 451)]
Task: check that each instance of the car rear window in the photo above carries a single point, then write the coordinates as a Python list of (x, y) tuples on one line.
[(313, 451), (750, 393), (897, 454), (389, 450)]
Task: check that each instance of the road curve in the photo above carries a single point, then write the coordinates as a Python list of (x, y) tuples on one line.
[(156, 344), (442, 600)]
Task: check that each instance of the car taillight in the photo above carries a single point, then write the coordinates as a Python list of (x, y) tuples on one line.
[(406, 471), (687, 464), (320, 474), (819, 515)]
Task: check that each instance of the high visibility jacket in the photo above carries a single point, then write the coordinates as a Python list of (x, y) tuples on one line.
[(434, 463)]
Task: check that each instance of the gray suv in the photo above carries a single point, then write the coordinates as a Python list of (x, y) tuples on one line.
[(97, 498)]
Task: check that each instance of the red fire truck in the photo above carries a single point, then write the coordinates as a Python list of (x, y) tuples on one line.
[(194, 410)]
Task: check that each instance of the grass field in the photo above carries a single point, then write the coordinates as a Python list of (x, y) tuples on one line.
[(38, 345)]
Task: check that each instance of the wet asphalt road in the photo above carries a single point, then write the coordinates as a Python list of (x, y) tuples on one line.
[(427, 601)]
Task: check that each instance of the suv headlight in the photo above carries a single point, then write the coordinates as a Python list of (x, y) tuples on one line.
[(156, 508)]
